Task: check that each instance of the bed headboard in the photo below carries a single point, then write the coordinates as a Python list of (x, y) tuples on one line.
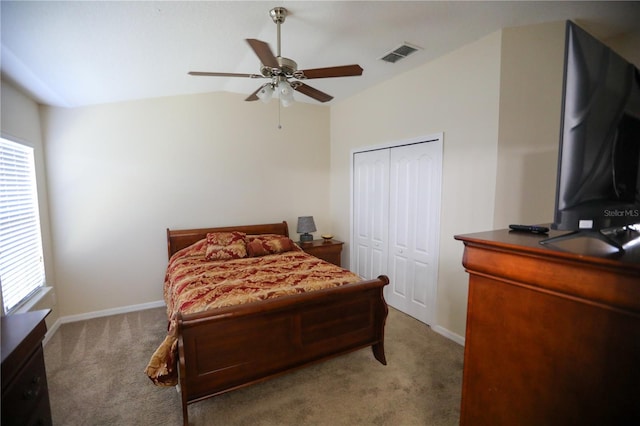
[(179, 239)]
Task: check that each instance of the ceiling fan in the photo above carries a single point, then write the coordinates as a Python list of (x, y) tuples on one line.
[(283, 73)]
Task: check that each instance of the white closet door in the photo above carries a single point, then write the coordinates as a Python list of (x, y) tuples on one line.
[(415, 174), (370, 210)]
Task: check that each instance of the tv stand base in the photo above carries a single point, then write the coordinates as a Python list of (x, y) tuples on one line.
[(586, 233)]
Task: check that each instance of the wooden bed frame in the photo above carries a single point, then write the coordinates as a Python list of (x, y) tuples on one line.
[(228, 348)]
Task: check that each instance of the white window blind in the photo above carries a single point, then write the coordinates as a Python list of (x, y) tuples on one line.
[(21, 260)]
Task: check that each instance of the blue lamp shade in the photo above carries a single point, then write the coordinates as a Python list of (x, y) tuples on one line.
[(306, 225)]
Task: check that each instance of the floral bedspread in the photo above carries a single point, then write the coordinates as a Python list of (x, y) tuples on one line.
[(193, 283)]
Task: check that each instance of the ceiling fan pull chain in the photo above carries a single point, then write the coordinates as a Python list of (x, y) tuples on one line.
[(279, 108)]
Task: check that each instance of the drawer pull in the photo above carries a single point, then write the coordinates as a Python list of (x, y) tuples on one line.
[(31, 394), (34, 391)]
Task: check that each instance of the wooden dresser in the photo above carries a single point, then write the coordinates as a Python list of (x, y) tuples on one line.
[(326, 250), (553, 332), (25, 396)]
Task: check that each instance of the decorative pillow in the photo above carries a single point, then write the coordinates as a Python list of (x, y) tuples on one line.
[(196, 249), (226, 245), (264, 237), (261, 245)]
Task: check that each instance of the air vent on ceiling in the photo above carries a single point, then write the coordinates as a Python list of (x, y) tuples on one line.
[(400, 52)]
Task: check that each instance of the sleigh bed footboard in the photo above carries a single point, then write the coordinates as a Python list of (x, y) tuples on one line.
[(228, 348)]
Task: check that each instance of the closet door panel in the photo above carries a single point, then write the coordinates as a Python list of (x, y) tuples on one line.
[(411, 229), (420, 275), (378, 261), (423, 221), (370, 209), (398, 286), (360, 264)]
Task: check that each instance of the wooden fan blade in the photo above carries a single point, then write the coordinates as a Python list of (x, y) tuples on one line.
[(341, 71), (254, 95), (312, 92), (224, 74), (264, 53)]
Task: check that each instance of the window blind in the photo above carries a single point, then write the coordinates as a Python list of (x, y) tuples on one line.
[(21, 260)]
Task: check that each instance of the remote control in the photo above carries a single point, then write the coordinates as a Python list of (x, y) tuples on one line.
[(535, 229)]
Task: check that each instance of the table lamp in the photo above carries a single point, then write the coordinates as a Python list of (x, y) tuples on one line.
[(305, 226)]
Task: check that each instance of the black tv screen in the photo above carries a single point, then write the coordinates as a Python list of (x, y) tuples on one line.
[(598, 184)]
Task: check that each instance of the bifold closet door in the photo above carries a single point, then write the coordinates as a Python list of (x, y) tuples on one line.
[(370, 211), (396, 222), (414, 206)]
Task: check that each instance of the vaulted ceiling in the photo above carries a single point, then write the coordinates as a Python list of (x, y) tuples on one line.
[(75, 53)]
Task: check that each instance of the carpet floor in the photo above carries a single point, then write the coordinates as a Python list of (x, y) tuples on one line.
[(95, 371)]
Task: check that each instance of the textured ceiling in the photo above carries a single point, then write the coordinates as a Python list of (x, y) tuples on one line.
[(81, 53)]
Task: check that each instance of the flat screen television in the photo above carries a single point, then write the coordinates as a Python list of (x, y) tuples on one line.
[(598, 185)]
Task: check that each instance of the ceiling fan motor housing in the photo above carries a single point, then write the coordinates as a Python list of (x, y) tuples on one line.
[(286, 67)]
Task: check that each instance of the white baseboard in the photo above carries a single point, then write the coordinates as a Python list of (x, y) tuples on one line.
[(449, 334), (113, 311), (98, 314)]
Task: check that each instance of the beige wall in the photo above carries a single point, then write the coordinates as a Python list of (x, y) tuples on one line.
[(530, 103), (627, 46), (120, 174), (458, 95), (20, 121)]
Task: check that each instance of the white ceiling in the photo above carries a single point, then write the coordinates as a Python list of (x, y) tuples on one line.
[(74, 53)]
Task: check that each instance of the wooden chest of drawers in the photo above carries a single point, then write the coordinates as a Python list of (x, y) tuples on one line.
[(25, 396), (326, 250), (553, 336)]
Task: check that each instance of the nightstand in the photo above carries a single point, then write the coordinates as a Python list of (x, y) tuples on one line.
[(325, 250), (25, 396)]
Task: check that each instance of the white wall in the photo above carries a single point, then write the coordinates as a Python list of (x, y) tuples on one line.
[(120, 174), (457, 94), (20, 121)]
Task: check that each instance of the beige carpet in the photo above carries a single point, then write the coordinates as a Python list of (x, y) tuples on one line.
[(95, 372)]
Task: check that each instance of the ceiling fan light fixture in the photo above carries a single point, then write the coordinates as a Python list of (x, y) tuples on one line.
[(265, 93), (285, 93), (286, 102)]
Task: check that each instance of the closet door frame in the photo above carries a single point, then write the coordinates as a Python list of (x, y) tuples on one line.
[(432, 138)]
